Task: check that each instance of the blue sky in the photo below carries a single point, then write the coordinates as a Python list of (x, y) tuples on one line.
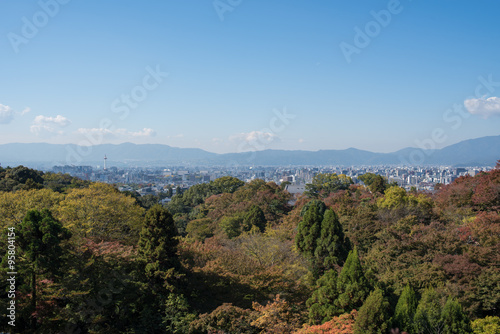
[(236, 75)]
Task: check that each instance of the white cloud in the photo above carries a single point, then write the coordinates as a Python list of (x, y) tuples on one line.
[(59, 120), (25, 111), (102, 131), (255, 136), (6, 114), (484, 107), (49, 124), (146, 132)]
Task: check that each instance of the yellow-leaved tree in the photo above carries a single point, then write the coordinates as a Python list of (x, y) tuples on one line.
[(102, 213), (15, 205)]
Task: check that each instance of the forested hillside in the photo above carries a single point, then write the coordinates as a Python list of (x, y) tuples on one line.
[(235, 257)]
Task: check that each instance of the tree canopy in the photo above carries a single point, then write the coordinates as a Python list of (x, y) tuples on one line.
[(230, 256)]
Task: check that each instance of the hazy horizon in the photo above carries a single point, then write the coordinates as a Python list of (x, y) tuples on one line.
[(326, 149)]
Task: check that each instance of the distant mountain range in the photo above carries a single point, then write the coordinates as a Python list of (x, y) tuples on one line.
[(483, 151)]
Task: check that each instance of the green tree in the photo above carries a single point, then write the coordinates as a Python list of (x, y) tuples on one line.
[(254, 219), (487, 325), (13, 206), (158, 244), (200, 229), (322, 302), (184, 202), (325, 183), (405, 309), (394, 197), (320, 204), (22, 174), (30, 184), (62, 182), (177, 317), (148, 201), (339, 294), (39, 237), (374, 182), (8, 184), (231, 226), (226, 184), (332, 246), (309, 230), (428, 316), (373, 316), (454, 319), (102, 213), (352, 284)]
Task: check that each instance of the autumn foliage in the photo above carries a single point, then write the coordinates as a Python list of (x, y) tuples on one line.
[(235, 257)]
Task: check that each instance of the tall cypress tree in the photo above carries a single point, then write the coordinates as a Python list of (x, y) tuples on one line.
[(320, 204), (322, 302), (454, 319), (309, 230), (158, 244), (428, 316), (352, 284), (373, 316), (339, 294), (405, 309), (320, 238), (332, 246)]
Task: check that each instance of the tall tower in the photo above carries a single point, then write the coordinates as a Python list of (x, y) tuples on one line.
[(105, 158)]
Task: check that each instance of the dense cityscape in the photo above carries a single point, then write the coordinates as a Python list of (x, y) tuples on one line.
[(155, 180)]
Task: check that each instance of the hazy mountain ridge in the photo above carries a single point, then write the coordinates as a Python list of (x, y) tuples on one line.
[(480, 151)]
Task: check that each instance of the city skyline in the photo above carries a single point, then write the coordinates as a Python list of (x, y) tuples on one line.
[(234, 76)]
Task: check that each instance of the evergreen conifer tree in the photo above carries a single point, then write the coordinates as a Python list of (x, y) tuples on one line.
[(405, 309), (332, 246), (352, 285), (321, 304), (373, 316), (338, 294), (428, 315), (309, 230), (320, 204), (454, 319), (158, 243)]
